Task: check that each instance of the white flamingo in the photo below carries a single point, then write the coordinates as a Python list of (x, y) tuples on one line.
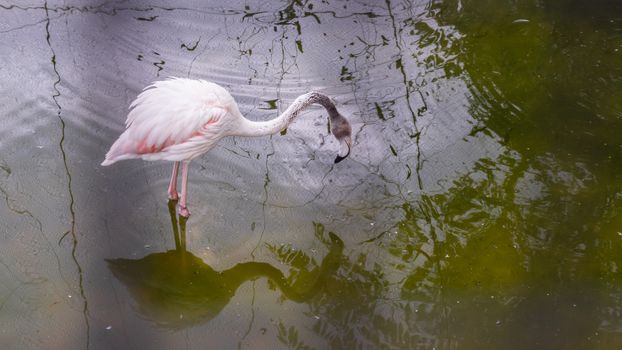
[(179, 119)]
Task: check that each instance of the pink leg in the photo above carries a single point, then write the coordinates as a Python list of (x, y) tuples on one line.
[(183, 209), (172, 187)]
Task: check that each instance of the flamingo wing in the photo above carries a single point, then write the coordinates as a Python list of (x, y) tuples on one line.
[(171, 120)]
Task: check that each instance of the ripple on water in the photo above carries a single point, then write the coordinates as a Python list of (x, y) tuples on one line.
[(411, 117)]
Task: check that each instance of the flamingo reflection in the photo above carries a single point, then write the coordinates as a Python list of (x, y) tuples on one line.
[(176, 289)]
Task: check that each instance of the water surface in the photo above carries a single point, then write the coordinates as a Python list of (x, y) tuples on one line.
[(480, 207)]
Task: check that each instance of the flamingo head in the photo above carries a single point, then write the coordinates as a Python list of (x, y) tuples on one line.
[(340, 127)]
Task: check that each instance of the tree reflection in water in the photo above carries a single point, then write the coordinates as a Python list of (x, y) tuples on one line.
[(521, 248)]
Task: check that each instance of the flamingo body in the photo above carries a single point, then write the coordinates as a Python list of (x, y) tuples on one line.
[(175, 120), (179, 119)]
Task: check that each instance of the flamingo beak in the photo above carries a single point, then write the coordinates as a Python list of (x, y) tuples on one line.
[(345, 144)]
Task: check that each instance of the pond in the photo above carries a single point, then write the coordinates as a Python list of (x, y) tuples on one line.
[(480, 208)]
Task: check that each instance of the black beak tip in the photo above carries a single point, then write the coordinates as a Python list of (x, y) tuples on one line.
[(339, 159)]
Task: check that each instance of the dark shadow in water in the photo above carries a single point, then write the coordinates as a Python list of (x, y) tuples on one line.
[(176, 289)]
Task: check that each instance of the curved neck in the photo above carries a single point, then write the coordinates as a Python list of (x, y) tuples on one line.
[(251, 128)]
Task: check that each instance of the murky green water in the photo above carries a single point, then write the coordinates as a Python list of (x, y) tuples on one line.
[(480, 208)]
